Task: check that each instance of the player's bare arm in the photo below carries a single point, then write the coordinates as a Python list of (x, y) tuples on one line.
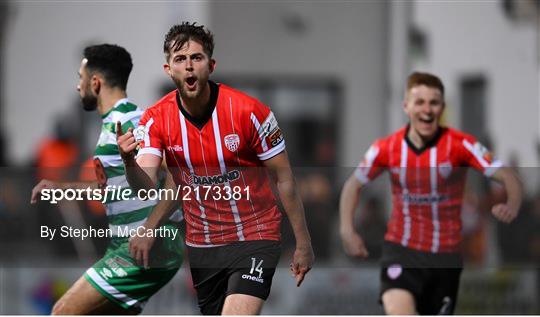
[(140, 246), (303, 255), (350, 196), (48, 184), (508, 211), (141, 173)]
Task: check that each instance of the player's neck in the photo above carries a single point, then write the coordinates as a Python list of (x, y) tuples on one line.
[(108, 99), (197, 107), (418, 140)]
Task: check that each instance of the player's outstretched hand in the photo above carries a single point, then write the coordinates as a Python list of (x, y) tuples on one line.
[(139, 248), (354, 245), (126, 142), (504, 213), (302, 262), (44, 183)]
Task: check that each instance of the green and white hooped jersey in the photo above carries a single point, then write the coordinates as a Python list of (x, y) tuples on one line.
[(122, 213)]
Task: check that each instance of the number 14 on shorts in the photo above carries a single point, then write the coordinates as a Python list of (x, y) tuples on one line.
[(256, 267)]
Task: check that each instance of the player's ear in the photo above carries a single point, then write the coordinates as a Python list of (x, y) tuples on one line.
[(404, 106), (212, 65), (95, 84), (167, 70)]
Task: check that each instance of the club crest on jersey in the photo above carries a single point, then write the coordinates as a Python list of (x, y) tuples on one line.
[(232, 141), (394, 271), (445, 169), (139, 133)]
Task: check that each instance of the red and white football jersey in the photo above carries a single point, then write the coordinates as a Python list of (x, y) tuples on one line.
[(226, 194), (427, 185)]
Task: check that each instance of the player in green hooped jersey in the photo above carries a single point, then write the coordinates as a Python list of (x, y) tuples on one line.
[(117, 283)]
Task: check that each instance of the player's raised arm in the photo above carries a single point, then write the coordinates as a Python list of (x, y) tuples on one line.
[(141, 173), (303, 255), (508, 211), (350, 196)]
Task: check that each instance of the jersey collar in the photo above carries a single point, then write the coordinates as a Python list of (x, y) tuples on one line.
[(121, 101), (427, 145), (200, 122), (116, 104)]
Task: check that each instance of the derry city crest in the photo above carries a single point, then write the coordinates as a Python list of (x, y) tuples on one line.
[(232, 141)]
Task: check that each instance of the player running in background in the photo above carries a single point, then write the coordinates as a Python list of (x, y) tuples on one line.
[(115, 284), (421, 264), (219, 144)]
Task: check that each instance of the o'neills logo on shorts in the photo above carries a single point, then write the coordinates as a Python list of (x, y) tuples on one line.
[(213, 179), (252, 278)]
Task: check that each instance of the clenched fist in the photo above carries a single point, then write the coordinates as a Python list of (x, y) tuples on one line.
[(504, 213), (353, 244)]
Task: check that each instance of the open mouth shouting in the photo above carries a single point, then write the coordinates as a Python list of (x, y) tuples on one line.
[(191, 83)]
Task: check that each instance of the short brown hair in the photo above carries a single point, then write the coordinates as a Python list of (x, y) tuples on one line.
[(180, 34), (427, 79)]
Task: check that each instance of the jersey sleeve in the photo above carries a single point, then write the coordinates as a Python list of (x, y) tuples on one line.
[(373, 164), (150, 134), (266, 136), (479, 157)]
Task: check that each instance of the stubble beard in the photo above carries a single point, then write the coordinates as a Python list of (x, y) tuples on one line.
[(89, 102), (185, 94)]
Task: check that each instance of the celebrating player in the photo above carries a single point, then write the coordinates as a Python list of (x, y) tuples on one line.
[(427, 162), (216, 140), (115, 284)]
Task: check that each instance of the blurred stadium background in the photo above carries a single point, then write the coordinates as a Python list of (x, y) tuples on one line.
[(333, 72)]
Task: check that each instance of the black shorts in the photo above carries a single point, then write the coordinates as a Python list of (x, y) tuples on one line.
[(433, 279), (238, 268)]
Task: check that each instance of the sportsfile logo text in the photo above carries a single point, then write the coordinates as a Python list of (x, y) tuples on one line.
[(110, 192), (116, 193)]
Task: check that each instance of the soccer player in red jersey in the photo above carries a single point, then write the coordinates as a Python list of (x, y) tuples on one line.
[(220, 146), (427, 163)]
